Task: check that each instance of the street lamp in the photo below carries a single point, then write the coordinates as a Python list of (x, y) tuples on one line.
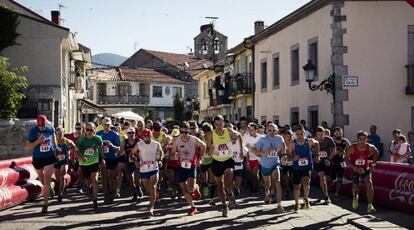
[(327, 84)]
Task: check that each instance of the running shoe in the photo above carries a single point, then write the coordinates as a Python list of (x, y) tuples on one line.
[(266, 199), (225, 211), (212, 202), (280, 209), (59, 199), (44, 209), (193, 211), (355, 202), (273, 198), (296, 208), (139, 192), (95, 205), (327, 200), (196, 195), (151, 210), (205, 191), (306, 206), (237, 192), (232, 202), (371, 209), (118, 193)]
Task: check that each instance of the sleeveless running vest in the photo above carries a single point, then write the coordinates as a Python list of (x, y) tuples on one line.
[(128, 147), (187, 152), (305, 161), (160, 139), (148, 156), (360, 157), (222, 151)]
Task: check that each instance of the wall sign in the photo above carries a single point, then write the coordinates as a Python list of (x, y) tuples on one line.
[(350, 81)]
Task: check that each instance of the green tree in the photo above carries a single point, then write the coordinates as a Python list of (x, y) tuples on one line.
[(8, 24), (12, 85), (178, 108), (146, 112)]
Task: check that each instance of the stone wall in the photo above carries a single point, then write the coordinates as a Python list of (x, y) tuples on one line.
[(13, 136)]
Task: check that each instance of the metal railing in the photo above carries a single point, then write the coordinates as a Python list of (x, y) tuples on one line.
[(123, 99)]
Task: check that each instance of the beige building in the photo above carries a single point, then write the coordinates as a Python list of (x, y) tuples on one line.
[(369, 45), (57, 66)]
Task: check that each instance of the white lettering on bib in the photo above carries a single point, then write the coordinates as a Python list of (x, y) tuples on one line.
[(360, 162), (89, 151), (238, 166), (44, 148), (343, 164), (149, 165), (323, 154), (303, 162), (272, 153), (186, 164)]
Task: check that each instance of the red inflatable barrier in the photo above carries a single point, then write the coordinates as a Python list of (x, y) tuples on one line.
[(14, 194), (393, 185), (11, 163)]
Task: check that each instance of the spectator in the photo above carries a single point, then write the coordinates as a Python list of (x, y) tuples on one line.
[(403, 149), (374, 139), (261, 129), (392, 148), (411, 142)]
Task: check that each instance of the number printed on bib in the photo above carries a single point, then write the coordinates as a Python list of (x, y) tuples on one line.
[(44, 148), (323, 154), (303, 161), (61, 157), (360, 162), (272, 153), (106, 149), (236, 156), (89, 151), (238, 166), (149, 165), (343, 164), (186, 164)]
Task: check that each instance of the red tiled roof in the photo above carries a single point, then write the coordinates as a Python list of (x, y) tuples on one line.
[(196, 65), (133, 75)]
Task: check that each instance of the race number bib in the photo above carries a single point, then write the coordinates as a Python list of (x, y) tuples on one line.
[(186, 164), (236, 156), (149, 165), (289, 163), (61, 157), (323, 154), (207, 155), (343, 164), (106, 149), (44, 148), (222, 150), (89, 151), (360, 162), (238, 166), (272, 154), (303, 162)]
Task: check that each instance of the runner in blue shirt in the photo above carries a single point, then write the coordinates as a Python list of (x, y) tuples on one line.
[(42, 142), (109, 165), (269, 148)]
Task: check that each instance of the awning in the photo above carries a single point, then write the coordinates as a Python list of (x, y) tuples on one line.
[(92, 105), (128, 115)]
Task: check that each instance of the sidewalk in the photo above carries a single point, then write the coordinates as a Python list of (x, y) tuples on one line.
[(76, 213)]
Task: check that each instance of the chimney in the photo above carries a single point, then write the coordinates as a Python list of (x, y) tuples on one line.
[(258, 26), (56, 17)]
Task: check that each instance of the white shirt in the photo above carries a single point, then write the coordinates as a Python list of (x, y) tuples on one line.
[(251, 141)]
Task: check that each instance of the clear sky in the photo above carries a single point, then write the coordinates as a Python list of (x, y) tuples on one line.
[(124, 26)]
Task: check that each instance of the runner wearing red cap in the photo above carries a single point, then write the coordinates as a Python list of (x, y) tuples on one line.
[(150, 154), (42, 142)]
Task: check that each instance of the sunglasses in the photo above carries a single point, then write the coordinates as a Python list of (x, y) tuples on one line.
[(89, 130), (131, 133), (271, 130), (184, 132), (78, 128), (192, 128)]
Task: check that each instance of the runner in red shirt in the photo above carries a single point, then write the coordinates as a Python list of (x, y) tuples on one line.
[(356, 157), (73, 160)]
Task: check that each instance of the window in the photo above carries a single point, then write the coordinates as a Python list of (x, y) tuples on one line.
[(102, 89), (124, 89), (294, 65), (263, 119), (157, 91), (313, 119), (264, 75), (205, 90), (313, 53), (176, 90), (276, 119), (411, 45), (294, 115), (276, 79)]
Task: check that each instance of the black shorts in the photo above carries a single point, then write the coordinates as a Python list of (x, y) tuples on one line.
[(218, 167), (60, 163), (287, 170), (39, 163), (89, 169), (356, 176), (299, 174), (204, 168), (183, 174), (123, 159), (337, 168), (322, 167), (111, 164), (130, 167)]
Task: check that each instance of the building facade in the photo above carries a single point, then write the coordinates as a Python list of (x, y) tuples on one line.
[(124, 89), (370, 42)]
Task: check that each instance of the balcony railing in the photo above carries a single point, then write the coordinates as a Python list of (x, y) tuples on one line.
[(409, 90), (242, 84), (123, 99)]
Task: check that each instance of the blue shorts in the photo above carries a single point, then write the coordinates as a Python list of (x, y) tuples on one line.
[(268, 171), (147, 175), (183, 174), (238, 172)]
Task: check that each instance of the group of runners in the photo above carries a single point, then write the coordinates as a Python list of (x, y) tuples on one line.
[(216, 162)]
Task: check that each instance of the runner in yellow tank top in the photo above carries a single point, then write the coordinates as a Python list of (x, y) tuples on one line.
[(218, 145)]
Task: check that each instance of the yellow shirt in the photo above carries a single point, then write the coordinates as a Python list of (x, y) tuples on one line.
[(222, 151)]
